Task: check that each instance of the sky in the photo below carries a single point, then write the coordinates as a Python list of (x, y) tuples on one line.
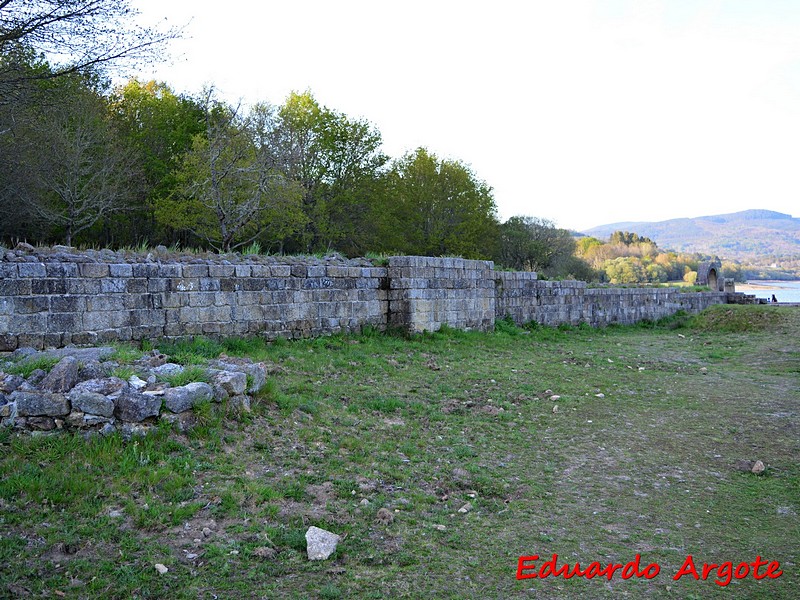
[(583, 112)]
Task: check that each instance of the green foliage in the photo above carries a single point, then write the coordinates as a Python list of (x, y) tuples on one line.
[(229, 189), (506, 325), (194, 351), (189, 374), (28, 366), (439, 207), (531, 244), (739, 319)]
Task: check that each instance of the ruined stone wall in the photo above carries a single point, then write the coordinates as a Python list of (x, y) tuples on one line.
[(52, 299), (573, 302), (426, 293), (56, 297)]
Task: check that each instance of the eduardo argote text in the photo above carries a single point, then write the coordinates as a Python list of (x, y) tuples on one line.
[(530, 567)]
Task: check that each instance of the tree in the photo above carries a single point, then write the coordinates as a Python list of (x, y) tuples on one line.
[(160, 127), (440, 207), (65, 169), (625, 270), (228, 185), (76, 34), (337, 162), (84, 172), (532, 244)]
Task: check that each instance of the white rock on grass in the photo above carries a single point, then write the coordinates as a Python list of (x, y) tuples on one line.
[(320, 544)]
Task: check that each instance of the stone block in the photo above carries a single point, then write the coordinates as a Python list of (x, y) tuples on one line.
[(31, 305), (195, 271), (280, 271), (145, 270), (218, 271), (242, 270), (93, 269), (109, 285), (183, 398), (48, 286), (15, 287), (105, 303), (136, 285), (201, 299), (91, 403), (209, 284), (120, 270), (299, 271), (31, 270), (8, 270), (98, 321), (35, 404), (62, 322), (135, 407), (170, 271)]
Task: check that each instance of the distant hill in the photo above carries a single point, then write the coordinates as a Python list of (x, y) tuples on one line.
[(747, 236)]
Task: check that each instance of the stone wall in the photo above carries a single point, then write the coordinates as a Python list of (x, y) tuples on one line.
[(426, 293), (52, 299), (526, 299), (57, 297)]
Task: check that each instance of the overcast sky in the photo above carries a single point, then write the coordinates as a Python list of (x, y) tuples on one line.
[(584, 112)]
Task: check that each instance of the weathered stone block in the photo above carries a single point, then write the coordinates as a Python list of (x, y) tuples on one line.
[(32, 270), (280, 271), (135, 407), (145, 270), (62, 322), (93, 269), (120, 270), (167, 271), (180, 399), (30, 404), (113, 285), (195, 271), (218, 271), (209, 284), (91, 403)]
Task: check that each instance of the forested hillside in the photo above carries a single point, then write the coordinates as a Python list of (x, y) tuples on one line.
[(764, 242)]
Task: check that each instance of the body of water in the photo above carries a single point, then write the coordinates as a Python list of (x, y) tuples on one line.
[(784, 291)]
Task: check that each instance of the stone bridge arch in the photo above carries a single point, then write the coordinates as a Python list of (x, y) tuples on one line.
[(710, 274)]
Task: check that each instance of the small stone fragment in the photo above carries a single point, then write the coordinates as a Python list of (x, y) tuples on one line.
[(384, 516), (758, 468), (207, 532), (555, 397), (440, 527), (555, 408), (320, 544), (600, 395), (162, 570), (466, 508), (265, 552), (136, 382)]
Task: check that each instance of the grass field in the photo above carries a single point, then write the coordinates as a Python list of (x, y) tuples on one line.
[(645, 451)]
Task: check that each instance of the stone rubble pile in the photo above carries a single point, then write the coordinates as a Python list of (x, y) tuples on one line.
[(81, 393)]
